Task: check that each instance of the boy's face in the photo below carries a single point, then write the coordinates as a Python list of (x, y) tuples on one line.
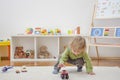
[(77, 51)]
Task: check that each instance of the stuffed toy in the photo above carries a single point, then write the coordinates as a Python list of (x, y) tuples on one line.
[(43, 53), (19, 53), (29, 53)]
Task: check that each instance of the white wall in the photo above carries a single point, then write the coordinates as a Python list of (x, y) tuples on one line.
[(17, 15)]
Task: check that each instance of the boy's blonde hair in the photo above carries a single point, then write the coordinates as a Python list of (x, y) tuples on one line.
[(78, 43)]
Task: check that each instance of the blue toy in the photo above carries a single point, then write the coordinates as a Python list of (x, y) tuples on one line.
[(5, 68)]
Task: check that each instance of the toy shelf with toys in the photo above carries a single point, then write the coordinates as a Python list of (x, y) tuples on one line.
[(38, 47)]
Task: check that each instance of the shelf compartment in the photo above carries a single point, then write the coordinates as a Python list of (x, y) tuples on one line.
[(19, 47), (47, 48)]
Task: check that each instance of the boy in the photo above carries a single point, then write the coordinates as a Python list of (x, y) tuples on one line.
[(75, 55)]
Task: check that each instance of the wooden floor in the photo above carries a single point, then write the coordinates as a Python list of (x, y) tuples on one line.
[(94, 62)]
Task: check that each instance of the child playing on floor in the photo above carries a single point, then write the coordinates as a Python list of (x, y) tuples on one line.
[(76, 55)]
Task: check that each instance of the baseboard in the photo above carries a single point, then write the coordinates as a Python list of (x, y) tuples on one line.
[(94, 58), (112, 58)]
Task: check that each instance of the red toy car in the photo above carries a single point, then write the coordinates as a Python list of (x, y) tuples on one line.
[(64, 75)]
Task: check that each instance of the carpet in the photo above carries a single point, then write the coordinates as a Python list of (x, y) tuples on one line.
[(45, 73)]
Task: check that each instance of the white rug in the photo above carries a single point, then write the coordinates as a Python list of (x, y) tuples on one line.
[(45, 73)]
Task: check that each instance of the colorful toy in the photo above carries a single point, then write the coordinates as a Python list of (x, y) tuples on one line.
[(57, 31), (70, 32), (5, 68), (50, 32), (29, 31), (44, 32), (106, 32), (37, 30), (64, 75)]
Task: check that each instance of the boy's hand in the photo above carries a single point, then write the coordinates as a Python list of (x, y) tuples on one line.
[(61, 65), (91, 73)]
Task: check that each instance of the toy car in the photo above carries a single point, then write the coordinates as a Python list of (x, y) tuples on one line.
[(64, 75)]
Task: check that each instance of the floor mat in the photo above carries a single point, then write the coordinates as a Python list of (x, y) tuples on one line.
[(45, 73)]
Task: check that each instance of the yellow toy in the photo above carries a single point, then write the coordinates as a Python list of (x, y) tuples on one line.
[(70, 32), (44, 32), (57, 31)]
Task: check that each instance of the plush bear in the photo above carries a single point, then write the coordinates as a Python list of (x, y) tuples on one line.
[(29, 53), (43, 53), (19, 53)]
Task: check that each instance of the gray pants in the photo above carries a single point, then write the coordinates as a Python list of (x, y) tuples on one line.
[(78, 62)]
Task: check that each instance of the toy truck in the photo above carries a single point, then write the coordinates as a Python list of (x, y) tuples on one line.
[(64, 75)]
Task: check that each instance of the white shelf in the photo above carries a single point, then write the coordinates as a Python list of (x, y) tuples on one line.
[(54, 43)]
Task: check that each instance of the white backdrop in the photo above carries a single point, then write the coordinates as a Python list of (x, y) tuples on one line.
[(17, 15)]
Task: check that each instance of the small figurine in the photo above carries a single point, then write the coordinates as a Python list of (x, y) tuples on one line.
[(64, 75), (5, 68), (17, 71), (24, 69)]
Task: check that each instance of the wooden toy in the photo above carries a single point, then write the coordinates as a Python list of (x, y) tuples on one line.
[(57, 31), (50, 32), (44, 31), (37, 30), (29, 31), (70, 32), (78, 30)]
